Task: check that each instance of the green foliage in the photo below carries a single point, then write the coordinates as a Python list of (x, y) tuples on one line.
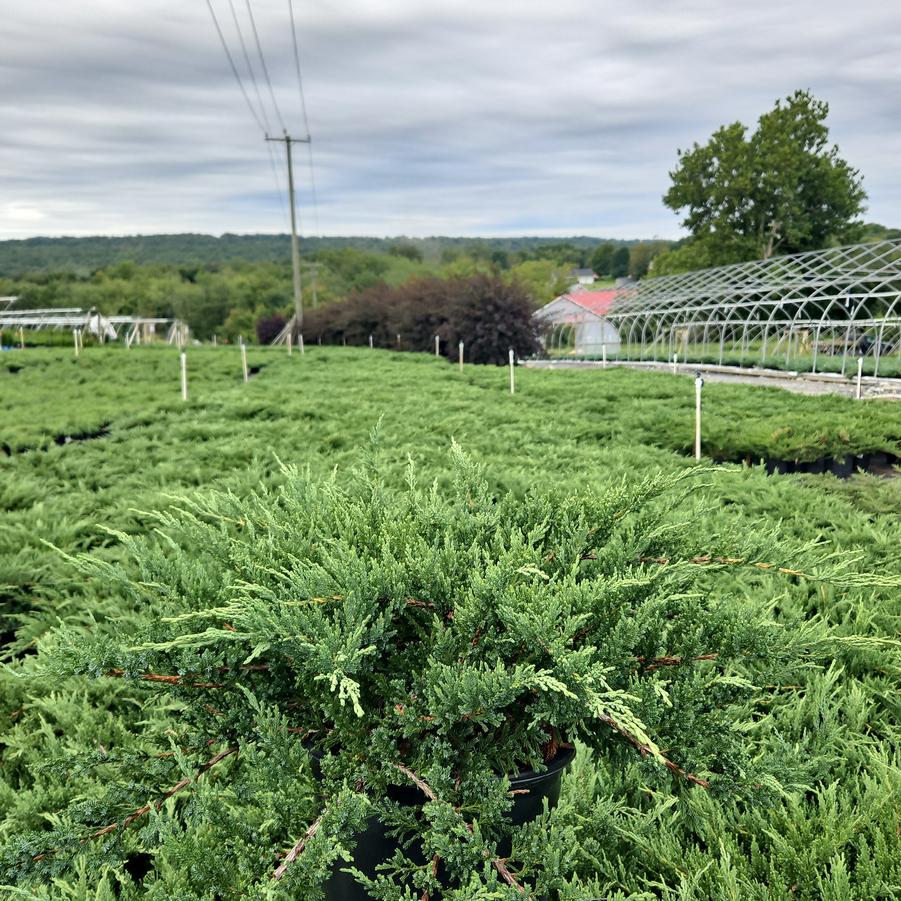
[(782, 189), (82, 749)]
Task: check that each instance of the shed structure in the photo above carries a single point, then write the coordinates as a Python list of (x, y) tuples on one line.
[(577, 321)]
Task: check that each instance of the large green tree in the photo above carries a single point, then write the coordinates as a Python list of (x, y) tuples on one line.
[(781, 189)]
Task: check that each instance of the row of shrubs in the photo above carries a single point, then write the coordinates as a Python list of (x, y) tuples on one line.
[(489, 315)]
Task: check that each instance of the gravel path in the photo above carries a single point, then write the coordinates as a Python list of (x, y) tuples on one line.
[(800, 383)]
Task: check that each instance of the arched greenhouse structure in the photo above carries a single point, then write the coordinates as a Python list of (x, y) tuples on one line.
[(811, 312)]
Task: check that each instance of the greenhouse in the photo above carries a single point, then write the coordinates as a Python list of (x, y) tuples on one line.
[(135, 329), (813, 312), (577, 320)]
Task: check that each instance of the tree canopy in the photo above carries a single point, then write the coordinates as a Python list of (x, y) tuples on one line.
[(780, 189)]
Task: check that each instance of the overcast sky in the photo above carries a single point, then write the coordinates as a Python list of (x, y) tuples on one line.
[(456, 117)]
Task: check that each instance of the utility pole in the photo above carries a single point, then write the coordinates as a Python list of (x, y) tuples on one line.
[(287, 140)]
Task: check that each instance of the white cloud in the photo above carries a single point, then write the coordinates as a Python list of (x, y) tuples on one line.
[(439, 118)]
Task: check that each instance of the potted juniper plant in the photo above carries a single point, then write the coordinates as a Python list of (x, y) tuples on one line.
[(352, 691)]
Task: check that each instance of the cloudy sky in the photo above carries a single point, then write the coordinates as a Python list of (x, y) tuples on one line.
[(463, 117)]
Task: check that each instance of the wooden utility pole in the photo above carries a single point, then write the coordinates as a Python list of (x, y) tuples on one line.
[(287, 140)]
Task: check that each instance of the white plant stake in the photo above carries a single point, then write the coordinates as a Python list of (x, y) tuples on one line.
[(675, 361), (290, 344), (214, 341), (512, 370), (301, 346), (370, 342), (244, 360), (437, 346), (604, 355), (21, 339), (460, 352), (184, 376), (75, 341), (699, 384), (859, 376)]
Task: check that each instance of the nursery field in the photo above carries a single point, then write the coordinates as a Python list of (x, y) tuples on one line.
[(745, 743)]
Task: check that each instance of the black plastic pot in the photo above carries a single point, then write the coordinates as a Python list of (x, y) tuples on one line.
[(375, 846)]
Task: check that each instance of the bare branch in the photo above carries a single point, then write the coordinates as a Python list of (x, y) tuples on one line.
[(296, 851)]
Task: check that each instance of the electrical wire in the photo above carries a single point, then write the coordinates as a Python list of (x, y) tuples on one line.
[(253, 78), (303, 101), (306, 121), (256, 37), (234, 68)]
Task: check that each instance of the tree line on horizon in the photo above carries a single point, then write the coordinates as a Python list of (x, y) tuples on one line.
[(229, 298)]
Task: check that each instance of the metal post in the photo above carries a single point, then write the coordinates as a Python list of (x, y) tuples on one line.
[(184, 376), (244, 360), (878, 349), (604, 356), (816, 347), (699, 384), (290, 344), (21, 339), (437, 346), (859, 377), (512, 376), (75, 341), (301, 345), (460, 353)]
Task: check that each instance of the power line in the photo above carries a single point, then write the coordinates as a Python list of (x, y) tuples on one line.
[(303, 102), (256, 37), (253, 77), (306, 121), (278, 182), (234, 68)]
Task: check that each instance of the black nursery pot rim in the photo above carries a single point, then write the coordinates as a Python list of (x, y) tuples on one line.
[(525, 778)]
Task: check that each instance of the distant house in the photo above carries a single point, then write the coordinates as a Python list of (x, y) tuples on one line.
[(583, 276), (576, 321)]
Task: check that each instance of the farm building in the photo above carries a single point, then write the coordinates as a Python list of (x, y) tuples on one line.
[(583, 276), (577, 321)]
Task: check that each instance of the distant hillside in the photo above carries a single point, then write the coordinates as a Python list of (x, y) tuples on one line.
[(83, 255)]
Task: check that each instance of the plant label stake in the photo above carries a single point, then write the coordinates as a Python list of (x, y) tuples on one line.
[(370, 342), (437, 346), (859, 376), (290, 344), (398, 340), (604, 355), (675, 361), (75, 341), (184, 376), (244, 360), (460, 355), (301, 345), (214, 340), (512, 376), (21, 339), (699, 384)]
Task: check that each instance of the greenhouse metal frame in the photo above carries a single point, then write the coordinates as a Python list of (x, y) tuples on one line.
[(816, 311)]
